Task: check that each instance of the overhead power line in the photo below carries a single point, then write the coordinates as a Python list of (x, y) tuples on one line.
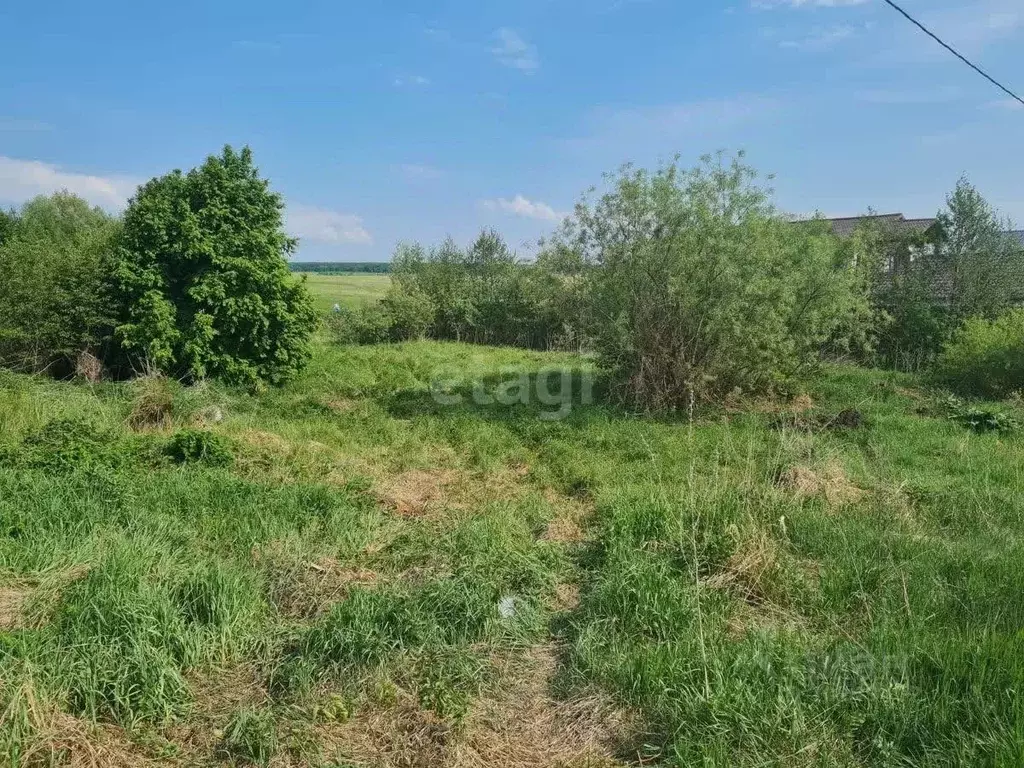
[(954, 51)]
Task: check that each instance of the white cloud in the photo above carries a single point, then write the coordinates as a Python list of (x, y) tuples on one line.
[(21, 180), (513, 51), (320, 225), (412, 80), (529, 209)]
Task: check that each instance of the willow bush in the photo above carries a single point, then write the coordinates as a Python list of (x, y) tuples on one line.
[(697, 288)]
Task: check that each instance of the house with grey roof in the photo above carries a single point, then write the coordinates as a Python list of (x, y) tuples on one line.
[(895, 223), (901, 261), (845, 227)]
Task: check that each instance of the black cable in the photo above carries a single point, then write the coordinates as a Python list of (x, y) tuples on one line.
[(954, 51)]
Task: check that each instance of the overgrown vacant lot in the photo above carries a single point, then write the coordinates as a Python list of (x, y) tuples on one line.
[(351, 574)]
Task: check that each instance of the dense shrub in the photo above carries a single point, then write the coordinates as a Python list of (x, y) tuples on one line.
[(480, 294), (55, 295), (371, 324), (442, 274), (985, 357), (912, 325), (204, 276), (909, 321), (409, 312), (695, 287)]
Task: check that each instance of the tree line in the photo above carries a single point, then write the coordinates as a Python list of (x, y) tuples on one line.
[(688, 285), (192, 281), (691, 286), (341, 267)]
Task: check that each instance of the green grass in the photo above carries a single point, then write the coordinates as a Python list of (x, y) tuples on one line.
[(275, 584), (352, 291)]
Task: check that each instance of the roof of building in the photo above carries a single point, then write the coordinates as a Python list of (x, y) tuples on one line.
[(844, 227)]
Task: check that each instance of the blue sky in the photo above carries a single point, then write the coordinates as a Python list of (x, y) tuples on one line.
[(390, 121)]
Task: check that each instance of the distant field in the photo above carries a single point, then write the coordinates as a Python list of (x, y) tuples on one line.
[(347, 290)]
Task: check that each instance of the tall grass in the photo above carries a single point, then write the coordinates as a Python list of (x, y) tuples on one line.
[(755, 590)]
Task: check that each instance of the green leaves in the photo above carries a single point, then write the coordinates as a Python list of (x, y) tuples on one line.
[(479, 294), (8, 224), (985, 357), (982, 266), (55, 295), (695, 287), (204, 274)]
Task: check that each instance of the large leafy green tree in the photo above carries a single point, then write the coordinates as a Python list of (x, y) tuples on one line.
[(56, 298), (203, 268)]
